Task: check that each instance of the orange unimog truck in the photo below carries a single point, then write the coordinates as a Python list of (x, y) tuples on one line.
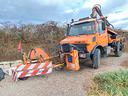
[(92, 38)]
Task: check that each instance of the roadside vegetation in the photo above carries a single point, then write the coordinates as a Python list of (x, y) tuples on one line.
[(45, 36), (110, 84)]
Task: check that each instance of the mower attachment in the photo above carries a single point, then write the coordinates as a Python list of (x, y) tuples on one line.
[(37, 63)]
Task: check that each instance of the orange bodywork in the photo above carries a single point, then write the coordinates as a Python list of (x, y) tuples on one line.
[(101, 39), (77, 39), (36, 54), (110, 40), (82, 39)]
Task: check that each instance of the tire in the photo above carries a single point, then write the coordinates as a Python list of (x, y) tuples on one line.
[(2, 74), (96, 59), (118, 50)]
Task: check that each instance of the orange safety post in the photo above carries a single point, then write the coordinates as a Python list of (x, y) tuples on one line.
[(72, 60)]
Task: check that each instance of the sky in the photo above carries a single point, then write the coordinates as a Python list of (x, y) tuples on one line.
[(62, 11)]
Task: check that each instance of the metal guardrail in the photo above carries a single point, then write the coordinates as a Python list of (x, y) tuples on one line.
[(10, 62), (7, 65)]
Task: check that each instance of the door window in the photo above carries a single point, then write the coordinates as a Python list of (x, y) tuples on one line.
[(100, 28)]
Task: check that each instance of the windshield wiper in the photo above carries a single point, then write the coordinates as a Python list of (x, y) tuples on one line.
[(82, 34), (73, 35)]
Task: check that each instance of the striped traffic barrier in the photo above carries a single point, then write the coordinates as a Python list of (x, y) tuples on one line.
[(28, 70)]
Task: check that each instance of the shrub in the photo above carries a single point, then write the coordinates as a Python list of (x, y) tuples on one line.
[(110, 83)]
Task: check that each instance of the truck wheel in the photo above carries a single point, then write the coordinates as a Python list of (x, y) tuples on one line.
[(96, 59), (118, 50)]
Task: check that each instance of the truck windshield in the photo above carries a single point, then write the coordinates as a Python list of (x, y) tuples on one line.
[(81, 29)]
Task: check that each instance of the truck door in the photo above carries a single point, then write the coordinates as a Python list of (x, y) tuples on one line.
[(102, 36)]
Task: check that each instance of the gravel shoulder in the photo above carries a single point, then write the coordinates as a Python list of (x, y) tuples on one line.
[(59, 83)]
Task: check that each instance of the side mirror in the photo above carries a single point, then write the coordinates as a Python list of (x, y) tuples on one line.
[(103, 25), (68, 29)]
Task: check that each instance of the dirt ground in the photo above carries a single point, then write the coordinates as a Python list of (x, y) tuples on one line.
[(60, 83)]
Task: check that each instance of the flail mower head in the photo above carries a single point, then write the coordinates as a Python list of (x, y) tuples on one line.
[(37, 63)]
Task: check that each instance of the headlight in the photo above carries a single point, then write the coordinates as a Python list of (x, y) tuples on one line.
[(61, 48), (82, 55)]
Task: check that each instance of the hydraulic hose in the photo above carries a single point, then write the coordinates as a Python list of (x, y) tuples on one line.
[(97, 10)]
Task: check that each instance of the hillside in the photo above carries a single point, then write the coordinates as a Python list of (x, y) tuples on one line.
[(45, 35)]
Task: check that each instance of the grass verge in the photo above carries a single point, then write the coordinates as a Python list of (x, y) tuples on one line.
[(110, 84)]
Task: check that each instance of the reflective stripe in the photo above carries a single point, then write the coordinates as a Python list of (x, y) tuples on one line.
[(34, 72), (19, 74), (26, 67), (49, 70), (31, 70), (20, 68), (50, 65), (29, 73), (31, 67), (41, 65), (40, 71)]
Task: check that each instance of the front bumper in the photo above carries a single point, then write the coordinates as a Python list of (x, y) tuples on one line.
[(85, 56), (81, 48)]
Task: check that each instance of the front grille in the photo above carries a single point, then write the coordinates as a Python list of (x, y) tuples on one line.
[(80, 47), (66, 48)]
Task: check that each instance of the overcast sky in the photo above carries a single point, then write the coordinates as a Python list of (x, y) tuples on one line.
[(40, 11)]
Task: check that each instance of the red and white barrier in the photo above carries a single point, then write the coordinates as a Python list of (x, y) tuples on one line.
[(21, 71)]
